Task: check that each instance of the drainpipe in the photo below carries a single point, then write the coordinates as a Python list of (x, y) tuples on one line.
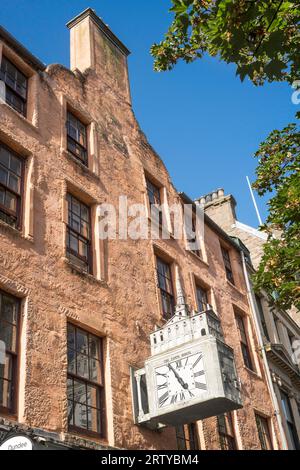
[(264, 355)]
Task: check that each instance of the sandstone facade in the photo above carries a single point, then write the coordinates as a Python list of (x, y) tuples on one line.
[(119, 299)]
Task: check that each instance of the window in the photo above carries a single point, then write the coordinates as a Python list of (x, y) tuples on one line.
[(244, 342), (202, 299), (226, 432), (262, 317), (264, 432), (289, 418), (165, 285), (187, 437), (79, 234), (11, 173), (227, 264), (154, 200), (77, 138), (15, 86), (9, 326), (85, 382), (192, 238)]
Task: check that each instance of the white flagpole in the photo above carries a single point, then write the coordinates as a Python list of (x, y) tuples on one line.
[(254, 202)]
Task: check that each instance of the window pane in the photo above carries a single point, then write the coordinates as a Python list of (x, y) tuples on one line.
[(71, 361), (85, 215), (6, 369), (5, 394), (3, 176), (2, 196), (71, 336), (85, 229), (73, 243), (8, 334), (82, 366), (15, 101), (94, 347), (70, 389), (93, 398), (80, 415), (74, 222), (14, 183), (82, 342), (94, 420), (75, 206), (82, 249), (71, 413), (80, 392), (15, 165), (11, 201), (9, 309), (4, 157), (95, 371)]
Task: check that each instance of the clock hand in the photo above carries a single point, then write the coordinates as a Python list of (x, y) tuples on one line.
[(182, 383)]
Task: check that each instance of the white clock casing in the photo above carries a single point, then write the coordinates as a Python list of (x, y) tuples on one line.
[(188, 383)]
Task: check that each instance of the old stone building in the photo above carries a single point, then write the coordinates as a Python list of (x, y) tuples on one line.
[(76, 312), (278, 331)]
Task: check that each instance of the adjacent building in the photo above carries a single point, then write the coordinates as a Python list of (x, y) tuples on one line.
[(76, 311), (279, 331)]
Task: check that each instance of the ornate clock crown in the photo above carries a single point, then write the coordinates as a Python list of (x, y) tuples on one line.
[(184, 327)]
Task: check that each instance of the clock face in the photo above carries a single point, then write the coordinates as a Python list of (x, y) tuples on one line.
[(180, 380)]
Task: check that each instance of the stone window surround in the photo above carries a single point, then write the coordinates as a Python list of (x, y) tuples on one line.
[(68, 104), (157, 252), (97, 245), (200, 235), (225, 248), (198, 282), (27, 209), (32, 112), (251, 340), (22, 293), (91, 326), (100, 385), (269, 423), (164, 199)]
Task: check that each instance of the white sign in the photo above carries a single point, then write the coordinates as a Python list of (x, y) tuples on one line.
[(17, 443)]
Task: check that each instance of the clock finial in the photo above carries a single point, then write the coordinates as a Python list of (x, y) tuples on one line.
[(181, 309)]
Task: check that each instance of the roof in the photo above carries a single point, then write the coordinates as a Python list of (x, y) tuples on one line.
[(102, 26), (21, 50)]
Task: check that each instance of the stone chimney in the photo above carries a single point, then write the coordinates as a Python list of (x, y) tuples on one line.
[(220, 208), (94, 46)]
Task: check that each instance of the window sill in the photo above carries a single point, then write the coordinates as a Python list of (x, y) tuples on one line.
[(86, 439), (20, 116), (4, 227), (84, 169), (235, 288), (77, 270), (252, 372), (198, 258)]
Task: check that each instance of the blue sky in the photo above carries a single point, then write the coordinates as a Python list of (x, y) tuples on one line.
[(200, 118)]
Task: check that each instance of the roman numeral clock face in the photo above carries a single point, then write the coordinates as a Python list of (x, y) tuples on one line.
[(181, 380)]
